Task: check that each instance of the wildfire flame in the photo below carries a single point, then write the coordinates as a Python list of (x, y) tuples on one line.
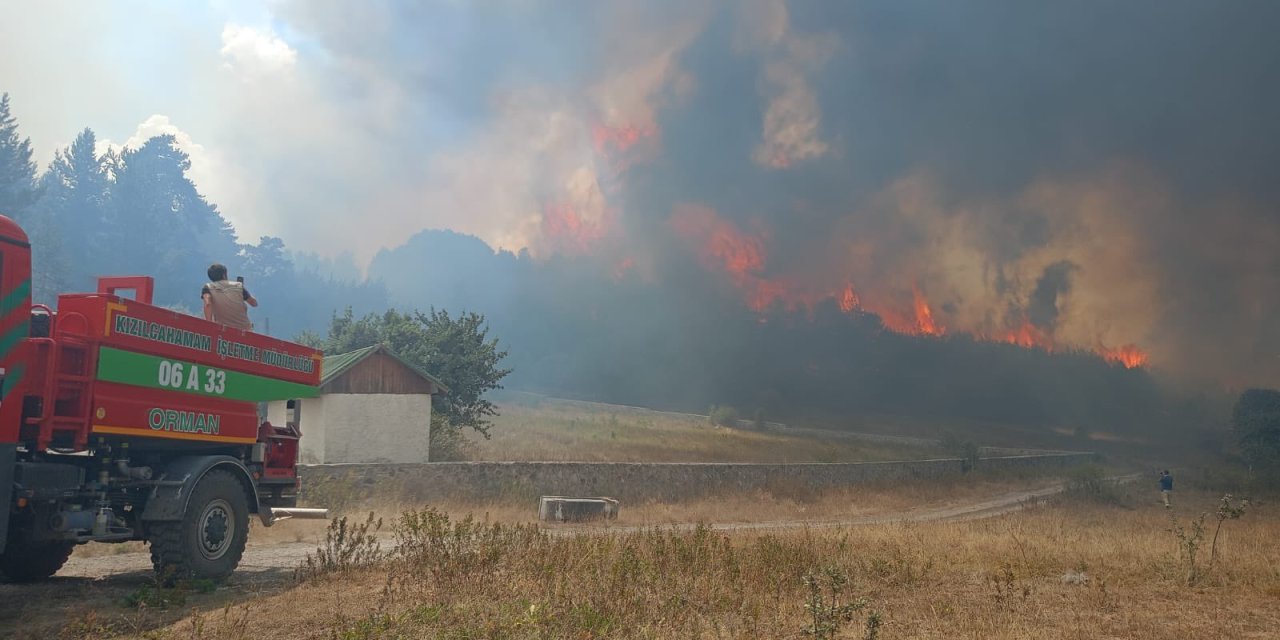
[(1028, 336), (571, 231), (916, 321), (849, 301), (924, 316), (723, 246), (1128, 355), (920, 322)]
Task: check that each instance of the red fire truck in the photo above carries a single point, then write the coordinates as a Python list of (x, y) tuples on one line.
[(120, 420)]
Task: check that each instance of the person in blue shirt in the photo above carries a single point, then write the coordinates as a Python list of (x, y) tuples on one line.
[(1166, 486)]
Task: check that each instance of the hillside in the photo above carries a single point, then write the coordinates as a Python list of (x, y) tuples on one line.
[(533, 427)]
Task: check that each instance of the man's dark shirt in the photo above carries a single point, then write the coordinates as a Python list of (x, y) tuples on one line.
[(1166, 483)]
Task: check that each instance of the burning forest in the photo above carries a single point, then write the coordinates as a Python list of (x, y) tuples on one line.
[(720, 183), (649, 198), (718, 180)]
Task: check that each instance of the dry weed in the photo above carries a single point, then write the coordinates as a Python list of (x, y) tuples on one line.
[(996, 578)]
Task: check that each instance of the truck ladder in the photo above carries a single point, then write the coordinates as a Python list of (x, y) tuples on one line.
[(64, 412)]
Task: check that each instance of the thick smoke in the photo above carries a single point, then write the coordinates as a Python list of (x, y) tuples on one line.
[(1048, 174), (1042, 310)]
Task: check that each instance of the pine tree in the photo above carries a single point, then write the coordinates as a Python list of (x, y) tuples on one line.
[(17, 170), (184, 232), (265, 260), (70, 219), (51, 269)]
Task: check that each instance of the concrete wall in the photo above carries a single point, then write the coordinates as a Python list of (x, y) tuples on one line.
[(624, 480), (362, 428)]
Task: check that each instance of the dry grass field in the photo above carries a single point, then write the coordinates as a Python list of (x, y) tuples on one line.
[(1098, 562), (535, 428), (1081, 566), (781, 504)]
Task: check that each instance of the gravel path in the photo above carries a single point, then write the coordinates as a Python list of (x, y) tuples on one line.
[(256, 559)]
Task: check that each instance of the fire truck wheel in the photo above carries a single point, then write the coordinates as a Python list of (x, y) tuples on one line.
[(29, 561), (209, 540)]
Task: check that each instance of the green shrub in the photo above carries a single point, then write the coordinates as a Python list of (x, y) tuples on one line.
[(828, 611), (1256, 422), (448, 444), (156, 596)]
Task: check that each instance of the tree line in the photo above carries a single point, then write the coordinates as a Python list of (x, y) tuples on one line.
[(136, 211)]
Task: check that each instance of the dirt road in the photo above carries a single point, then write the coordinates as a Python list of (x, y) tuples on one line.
[(270, 559)]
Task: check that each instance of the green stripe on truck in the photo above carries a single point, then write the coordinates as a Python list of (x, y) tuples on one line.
[(143, 370)]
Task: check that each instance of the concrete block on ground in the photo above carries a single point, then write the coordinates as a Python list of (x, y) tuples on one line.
[(564, 509)]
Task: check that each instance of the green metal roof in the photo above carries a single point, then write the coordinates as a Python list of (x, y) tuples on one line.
[(337, 365)]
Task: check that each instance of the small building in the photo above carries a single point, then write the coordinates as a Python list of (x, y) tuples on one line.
[(373, 407)]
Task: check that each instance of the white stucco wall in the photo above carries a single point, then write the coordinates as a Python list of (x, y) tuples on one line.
[(368, 427), (362, 427)]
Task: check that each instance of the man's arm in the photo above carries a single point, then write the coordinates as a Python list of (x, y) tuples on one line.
[(248, 297), (208, 305)]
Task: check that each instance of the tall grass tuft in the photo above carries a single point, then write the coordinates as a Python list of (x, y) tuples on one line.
[(347, 547)]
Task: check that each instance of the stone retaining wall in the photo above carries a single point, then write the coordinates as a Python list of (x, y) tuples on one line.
[(627, 481)]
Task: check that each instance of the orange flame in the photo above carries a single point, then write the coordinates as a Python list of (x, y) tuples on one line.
[(570, 230), (723, 244), (849, 300), (924, 316), (1128, 355), (917, 320), (741, 254), (1028, 336)]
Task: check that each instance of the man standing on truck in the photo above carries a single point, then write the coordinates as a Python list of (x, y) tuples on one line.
[(227, 302)]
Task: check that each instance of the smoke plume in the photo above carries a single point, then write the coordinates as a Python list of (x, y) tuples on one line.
[(1066, 177)]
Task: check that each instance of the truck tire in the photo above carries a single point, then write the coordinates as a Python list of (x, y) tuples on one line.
[(209, 540), (24, 561)]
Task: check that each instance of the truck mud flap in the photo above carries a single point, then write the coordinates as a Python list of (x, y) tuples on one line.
[(8, 460)]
